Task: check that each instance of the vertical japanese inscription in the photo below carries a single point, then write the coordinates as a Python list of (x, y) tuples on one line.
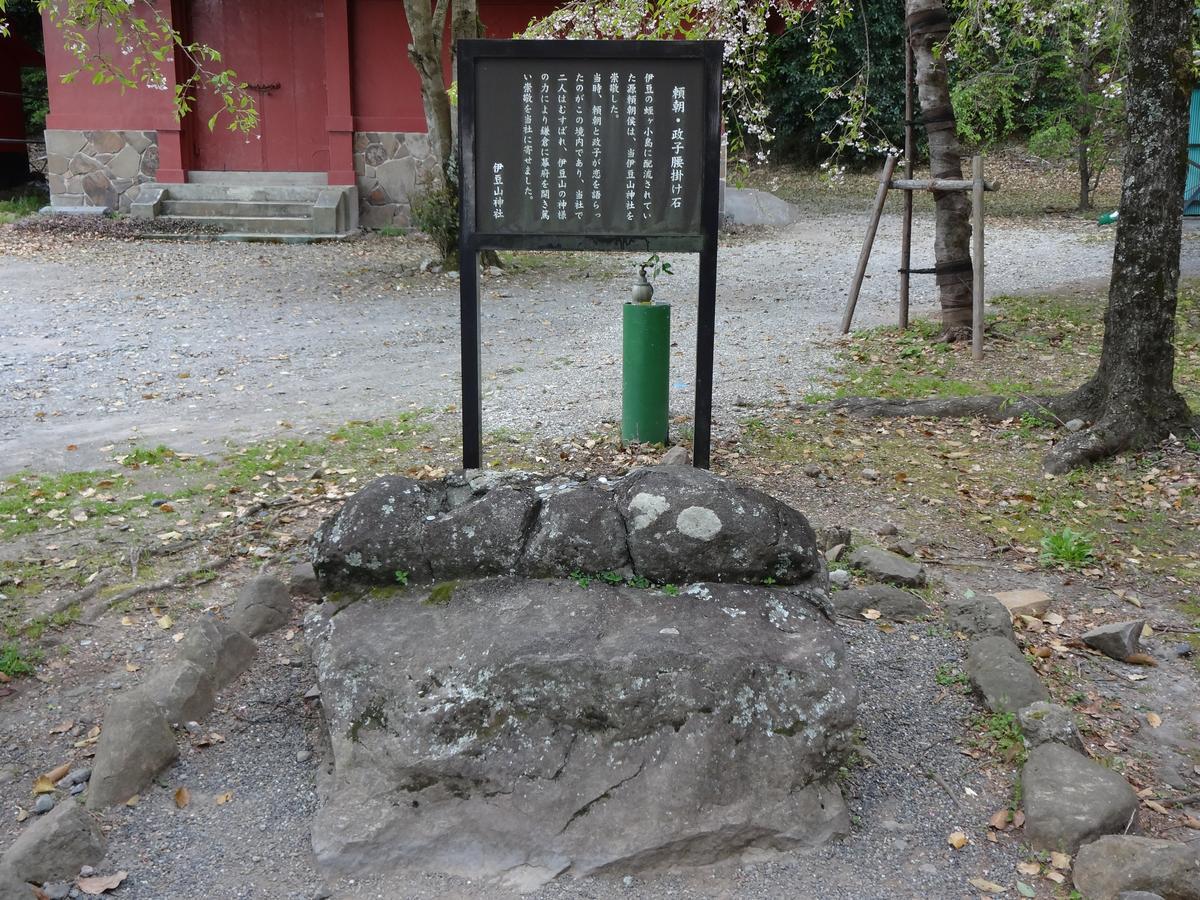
[(605, 146)]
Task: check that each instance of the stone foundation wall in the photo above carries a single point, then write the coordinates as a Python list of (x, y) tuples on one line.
[(390, 166), (99, 168)]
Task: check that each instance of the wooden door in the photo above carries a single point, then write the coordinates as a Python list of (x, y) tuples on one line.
[(278, 48)]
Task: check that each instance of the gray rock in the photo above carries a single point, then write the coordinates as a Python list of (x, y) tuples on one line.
[(578, 529), (219, 649), (528, 727), (1001, 676), (812, 470), (56, 890), (893, 603), (1049, 723), (676, 456), (979, 616), (56, 845), (1120, 640), (182, 689), (263, 605), (302, 582), (1071, 800), (1024, 602), (79, 776), (832, 536), (692, 525), (887, 529), (13, 887), (43, 804), (887, 567), (1138, 895), (303, 755), (1074, 425), (750, 206), (1111, 865), (135, 745), (483, 536), (839, 578)]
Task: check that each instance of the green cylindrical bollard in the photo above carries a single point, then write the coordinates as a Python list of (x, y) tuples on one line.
[(646, 351)]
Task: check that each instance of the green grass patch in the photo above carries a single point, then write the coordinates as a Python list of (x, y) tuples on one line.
[(20, 207), (16, 662)]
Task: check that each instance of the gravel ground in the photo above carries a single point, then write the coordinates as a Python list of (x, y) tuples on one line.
[(193, 344)]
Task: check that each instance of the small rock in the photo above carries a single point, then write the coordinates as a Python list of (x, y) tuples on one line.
[(881, 565), (56, 890), (887, 530), (1046, 723), (264, 605), (43, 804), (870, 475), (302, 582), (1138, 895), (1075, 425), (77, 789), (1024, 602), (494, 271), (1184, 649), (979, 616), (835, 553), (627, 881), (86, 871), (1120, 640), (182, 689), (832, 536), (136, 744), (1000, 674), (839, 577), (892, 603), (56, 846), (303, 755), (812, 470), (79, 776), (676, 456), (1071, 800), (1106, 868), (902, 547), (219, 648)]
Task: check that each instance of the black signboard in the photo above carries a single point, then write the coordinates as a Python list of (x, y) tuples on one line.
[(577, 145)]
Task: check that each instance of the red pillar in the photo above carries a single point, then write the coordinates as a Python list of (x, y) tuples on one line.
[(340, 119)]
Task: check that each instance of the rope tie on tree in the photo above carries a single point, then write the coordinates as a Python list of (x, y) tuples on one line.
[(927, 22)]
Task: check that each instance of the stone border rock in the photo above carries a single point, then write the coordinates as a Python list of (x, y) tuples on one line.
[(1072, 804)]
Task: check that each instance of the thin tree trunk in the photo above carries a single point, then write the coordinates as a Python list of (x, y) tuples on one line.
[(427, 24), (928, 25), (1083, 131), (1085, 174), (1132, 397)]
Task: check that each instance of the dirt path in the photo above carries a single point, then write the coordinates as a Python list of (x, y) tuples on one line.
[(193, 344)]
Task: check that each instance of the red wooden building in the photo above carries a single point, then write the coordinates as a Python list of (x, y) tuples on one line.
[(15, 55), (338, 100)]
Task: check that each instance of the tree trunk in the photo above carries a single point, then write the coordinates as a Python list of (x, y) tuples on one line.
[(928, 26), (1132, 398), (1083, 131), (1085, 174), (427, 24)]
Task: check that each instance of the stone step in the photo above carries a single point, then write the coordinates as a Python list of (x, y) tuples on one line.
[(250, 224), (258, 178), (237, 208), (257, 193)]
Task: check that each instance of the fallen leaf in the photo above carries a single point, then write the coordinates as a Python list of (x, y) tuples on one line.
[(988, 887), (126, 620), (1025, 890), (224, 798), (1157, 807), (1029, 868), (1141, 659), (1043, 652), (957, 840), (133, 801), (98, 884), (1191, 822), (1053, 618), (1060, 860), (132, 667), (1056, 877), (63, 727), (165, 622), (182, 797), (1154, 719), (23, 814), (871, 614), (999, 819)]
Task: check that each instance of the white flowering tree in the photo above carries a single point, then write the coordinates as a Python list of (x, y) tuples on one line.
[(145, 45), (1064, 58)]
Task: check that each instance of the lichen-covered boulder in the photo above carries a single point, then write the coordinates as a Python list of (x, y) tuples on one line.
[(518, 729), (578, 530)]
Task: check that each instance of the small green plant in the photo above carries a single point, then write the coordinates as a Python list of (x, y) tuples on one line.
[(402, 577), (1067, 547), (581, 579), (654, 266), (391, 231), (435, 212), (1002, 733), (949, 675), (769, 580), (442, 593), (1075, 698), (147, 456), (611, 577), (670, 590), (639, 581), (13, 662)]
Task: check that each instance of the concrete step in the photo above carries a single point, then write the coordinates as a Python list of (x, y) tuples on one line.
[(236, 208), (258, 178), (280, 225), (246, 193)]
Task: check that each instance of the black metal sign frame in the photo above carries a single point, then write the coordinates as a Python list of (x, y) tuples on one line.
[(702, 241)]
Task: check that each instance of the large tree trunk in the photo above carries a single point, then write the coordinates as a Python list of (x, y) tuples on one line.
[(1132, 398), (928, 26)]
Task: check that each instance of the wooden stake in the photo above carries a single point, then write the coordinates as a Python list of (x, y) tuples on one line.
[(906, 228), (977, 268), (863, 257)]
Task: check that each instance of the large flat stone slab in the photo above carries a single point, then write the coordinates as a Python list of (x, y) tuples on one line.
[(1071, 800), (518, 730)]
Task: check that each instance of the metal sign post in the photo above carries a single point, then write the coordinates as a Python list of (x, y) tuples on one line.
[(588, 145)]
